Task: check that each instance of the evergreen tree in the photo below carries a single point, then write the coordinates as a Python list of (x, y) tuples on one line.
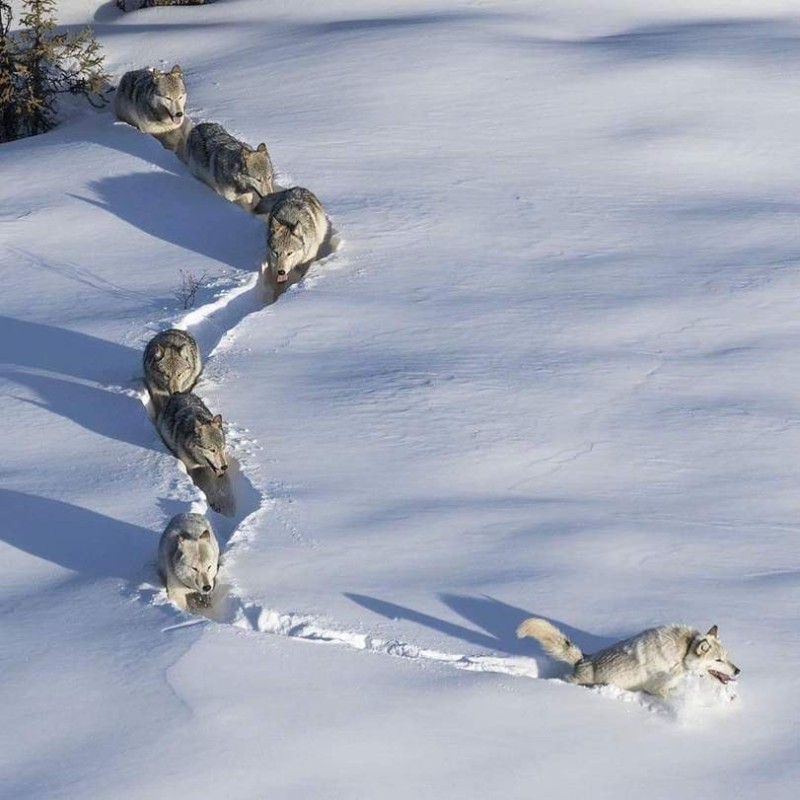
[(37, 64)]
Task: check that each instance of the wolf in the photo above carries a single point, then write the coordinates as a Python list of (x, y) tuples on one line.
[(652, 661), (188, 560), (171, 364), (192, 433), (151, 100), (135, 5), (296, 229), (176, 139), (230, 167)]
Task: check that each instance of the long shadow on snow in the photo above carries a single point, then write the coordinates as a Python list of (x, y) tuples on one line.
[(103, 411), (759, 41), (498, 619), (117, 135), (34, 345), (184, 213), (364, 24), (75, 538)]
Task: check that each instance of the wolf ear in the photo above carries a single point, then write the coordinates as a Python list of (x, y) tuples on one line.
[(158, 353), (217, 421), (262, 148), (205, 536), (702, 647), (712, 631), (176, 70)]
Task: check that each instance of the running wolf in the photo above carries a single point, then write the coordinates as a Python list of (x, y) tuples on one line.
[(151, 100), (193, 434), (296, 229), (230, 167), (651, 661), (171, 364), (188, 560)]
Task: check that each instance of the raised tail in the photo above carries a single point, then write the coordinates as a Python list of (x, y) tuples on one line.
[(553, 641)]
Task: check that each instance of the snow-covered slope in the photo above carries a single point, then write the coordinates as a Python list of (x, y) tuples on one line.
[(549, 371)]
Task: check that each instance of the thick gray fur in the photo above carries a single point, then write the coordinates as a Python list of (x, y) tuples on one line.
[(653, 661), (193, 433), (171, 364), (151, 100), (296, 229), (230, 167), (188, 559)]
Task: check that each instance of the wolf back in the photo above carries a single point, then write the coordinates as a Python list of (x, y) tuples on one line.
[(171, 364), (193, 434), (188, 558), (296, 229), (151, 100), (230, 167)]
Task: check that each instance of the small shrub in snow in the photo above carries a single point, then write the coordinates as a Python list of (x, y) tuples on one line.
[(186, 293)]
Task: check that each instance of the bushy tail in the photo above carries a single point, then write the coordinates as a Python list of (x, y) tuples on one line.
[(553, 641)]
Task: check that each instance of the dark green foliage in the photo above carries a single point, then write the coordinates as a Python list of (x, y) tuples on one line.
[(37, 64)]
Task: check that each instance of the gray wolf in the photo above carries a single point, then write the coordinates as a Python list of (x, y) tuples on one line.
[(135, 5), (193, 433), (652, 661), (171, 364), (296, 229), (230, 167), (188, 560), (151, 100), (176, 139)]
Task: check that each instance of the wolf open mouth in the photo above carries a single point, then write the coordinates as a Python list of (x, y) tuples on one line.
[(218, 471), (721, 676)]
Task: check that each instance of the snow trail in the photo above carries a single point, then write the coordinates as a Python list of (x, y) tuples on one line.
[(214, 323)]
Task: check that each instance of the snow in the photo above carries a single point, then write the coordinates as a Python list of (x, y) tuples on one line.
[(550, 370)]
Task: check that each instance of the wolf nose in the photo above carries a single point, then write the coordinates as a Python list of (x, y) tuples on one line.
[(207, 588), (736, 670), (281, 272), (179, 114), (224, 468)]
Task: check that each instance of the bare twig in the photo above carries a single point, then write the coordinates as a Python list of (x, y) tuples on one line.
[(186, 293)]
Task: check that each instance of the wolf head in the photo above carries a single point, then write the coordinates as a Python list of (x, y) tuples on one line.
[(170, 92), (707, 656), (285, 248), (209, 444), (197, 561), (174, 366), (257, 170)]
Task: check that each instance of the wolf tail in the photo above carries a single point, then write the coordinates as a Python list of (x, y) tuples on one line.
[(554, 642)]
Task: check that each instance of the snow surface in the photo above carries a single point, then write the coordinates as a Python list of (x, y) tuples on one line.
[(551, 370)]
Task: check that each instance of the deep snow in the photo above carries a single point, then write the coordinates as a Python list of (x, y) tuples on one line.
[(550, 371)]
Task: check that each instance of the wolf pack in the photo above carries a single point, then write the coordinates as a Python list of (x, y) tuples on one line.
[(296, 227), (655, 661)]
